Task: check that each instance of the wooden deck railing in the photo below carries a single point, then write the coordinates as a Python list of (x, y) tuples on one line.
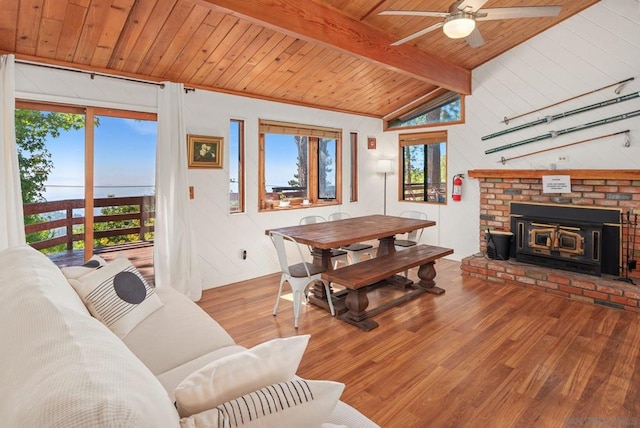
[(415, 192), (145, 212)]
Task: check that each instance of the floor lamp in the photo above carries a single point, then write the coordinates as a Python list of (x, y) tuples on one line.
[(385, 166)]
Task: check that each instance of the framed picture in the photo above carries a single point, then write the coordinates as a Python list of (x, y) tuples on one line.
[(204, 151), (371, 143)]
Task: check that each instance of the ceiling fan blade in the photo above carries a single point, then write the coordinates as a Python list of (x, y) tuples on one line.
[(518, 12), (418, 34), (414, 13), (475, 39), (473, 4)]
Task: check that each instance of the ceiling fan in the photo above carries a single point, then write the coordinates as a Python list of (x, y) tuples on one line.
[(460, 21)]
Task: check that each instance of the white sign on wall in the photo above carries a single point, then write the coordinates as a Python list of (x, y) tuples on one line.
[(556, 184)]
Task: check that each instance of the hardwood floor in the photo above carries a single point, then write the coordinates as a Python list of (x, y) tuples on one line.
[(480, 355)]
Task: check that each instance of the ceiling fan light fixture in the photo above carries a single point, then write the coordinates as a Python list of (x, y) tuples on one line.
[(459, 26)]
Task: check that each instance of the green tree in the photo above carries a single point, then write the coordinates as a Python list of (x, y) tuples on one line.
[(300, 178), (325, 160), (34, 159)]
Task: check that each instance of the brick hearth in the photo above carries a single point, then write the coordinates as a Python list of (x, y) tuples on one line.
[(590, 188), (605, 290)]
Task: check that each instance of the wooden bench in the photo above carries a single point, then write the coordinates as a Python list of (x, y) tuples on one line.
[(360, 277)]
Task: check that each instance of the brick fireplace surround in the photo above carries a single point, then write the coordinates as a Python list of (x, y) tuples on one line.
[(590, 188)]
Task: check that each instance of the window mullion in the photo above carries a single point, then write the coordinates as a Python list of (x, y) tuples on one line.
[(313, 169)]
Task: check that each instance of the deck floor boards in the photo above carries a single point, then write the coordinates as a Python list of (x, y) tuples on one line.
[(141, 256)]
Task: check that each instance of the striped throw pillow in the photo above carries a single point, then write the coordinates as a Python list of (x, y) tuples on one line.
[(117, 295), (293, 404)]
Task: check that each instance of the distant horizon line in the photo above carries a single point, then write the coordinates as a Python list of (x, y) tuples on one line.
[(101, 186)]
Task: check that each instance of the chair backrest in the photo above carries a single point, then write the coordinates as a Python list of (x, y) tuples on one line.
[(278, 240), (312, 219), (414, 235), (414, 214), (338, 216)]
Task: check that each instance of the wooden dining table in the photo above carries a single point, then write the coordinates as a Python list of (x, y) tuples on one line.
[(324, 236)]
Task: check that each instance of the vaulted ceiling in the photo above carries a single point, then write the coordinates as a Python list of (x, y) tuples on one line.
[(331, 54)]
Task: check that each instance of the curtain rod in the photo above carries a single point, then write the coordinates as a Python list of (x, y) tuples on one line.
[(93, 74)]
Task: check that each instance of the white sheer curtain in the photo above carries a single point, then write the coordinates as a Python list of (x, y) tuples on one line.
[(175, 259), (11, 220)]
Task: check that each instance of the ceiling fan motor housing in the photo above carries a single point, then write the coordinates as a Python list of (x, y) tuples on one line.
[(459, 25)]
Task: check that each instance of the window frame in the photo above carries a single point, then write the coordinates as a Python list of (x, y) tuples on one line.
[(353, 145), (241, 166), (422, 139), (313, 134), (423, 107), (90, 112)]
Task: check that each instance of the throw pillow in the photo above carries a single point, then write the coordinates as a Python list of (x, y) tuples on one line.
[(235, 375), (118, 295), (75, 272), (292, 404)]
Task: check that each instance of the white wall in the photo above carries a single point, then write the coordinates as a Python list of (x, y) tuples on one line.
[(598, 47), (593, 49), (222, 236)]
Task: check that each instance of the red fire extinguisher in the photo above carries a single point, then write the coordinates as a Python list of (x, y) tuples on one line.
[(457, 187)]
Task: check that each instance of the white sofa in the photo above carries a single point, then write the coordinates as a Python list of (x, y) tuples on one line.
[(61, 367)]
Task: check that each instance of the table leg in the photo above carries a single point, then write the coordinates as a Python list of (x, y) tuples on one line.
[(322, 258), (386, 246), (318, 295), (356, 303), (427, 273)]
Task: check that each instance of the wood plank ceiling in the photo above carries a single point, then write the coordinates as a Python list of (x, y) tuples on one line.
[(331, 54)]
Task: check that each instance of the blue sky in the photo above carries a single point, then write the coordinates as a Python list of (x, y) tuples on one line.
[(280, 157), (124, 156)]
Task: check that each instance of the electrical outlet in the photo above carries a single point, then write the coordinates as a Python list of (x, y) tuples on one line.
[(243, 254), (563, 158)]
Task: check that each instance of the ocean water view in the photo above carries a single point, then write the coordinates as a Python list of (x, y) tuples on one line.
[(62, 192)]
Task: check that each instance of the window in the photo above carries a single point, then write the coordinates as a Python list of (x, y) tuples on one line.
[(424, 167), (298, 162), (354, 166), (88, 177), (445, 107), (236, 166)]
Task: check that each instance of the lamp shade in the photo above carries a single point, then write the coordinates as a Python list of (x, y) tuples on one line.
[(458, 26), (384, 166)]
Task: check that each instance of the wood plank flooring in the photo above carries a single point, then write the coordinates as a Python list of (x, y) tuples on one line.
[(480, 355)]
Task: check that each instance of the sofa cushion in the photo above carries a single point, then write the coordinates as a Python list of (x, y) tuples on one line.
[(241, 373), (118, 295), (60, 367), (175, 334), (293, 404)]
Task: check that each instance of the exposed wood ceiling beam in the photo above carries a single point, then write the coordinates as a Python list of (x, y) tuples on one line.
[(318, 23)]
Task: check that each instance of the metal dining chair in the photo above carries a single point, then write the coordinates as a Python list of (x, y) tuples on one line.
[(299, 275), (337, 255), (412, 238), (354, 251)]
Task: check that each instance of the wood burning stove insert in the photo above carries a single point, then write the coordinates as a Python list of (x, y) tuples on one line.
[(578, 239)]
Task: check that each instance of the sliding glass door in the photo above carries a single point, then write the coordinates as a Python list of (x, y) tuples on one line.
[(88, 179)]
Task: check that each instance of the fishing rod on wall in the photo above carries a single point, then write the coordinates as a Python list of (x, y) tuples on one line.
[(627, 143), (554, 134), (549, 119), (620, 85)]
